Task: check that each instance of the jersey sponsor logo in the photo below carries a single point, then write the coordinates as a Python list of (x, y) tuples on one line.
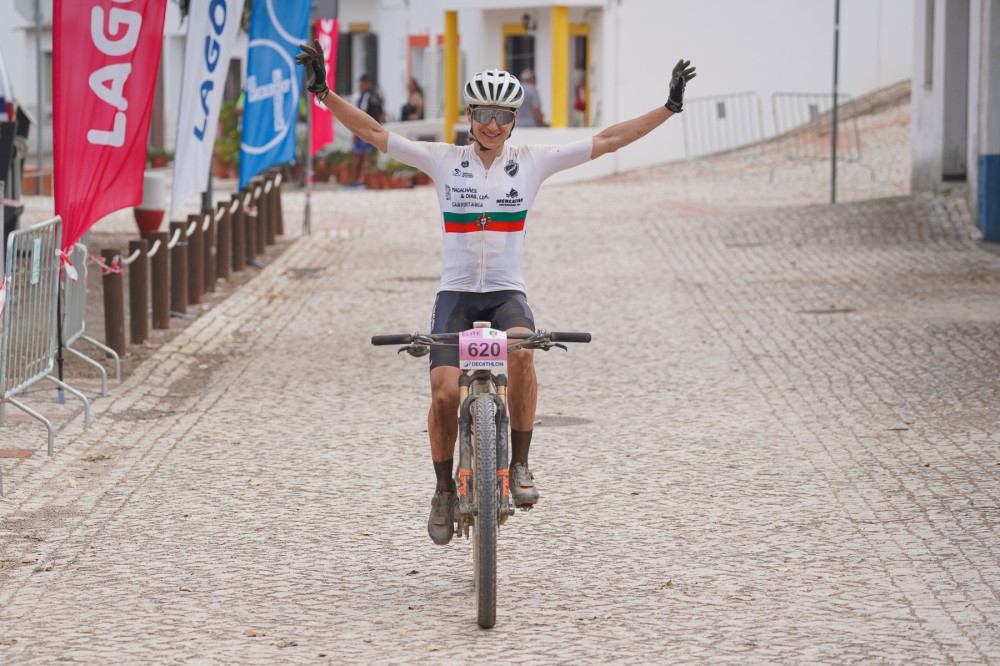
[(465, 164), (458, 172), (511, 168), (447, 192), (466, 204), (510, 199)]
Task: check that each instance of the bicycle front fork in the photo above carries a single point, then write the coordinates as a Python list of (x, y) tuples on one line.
[(466, 508)]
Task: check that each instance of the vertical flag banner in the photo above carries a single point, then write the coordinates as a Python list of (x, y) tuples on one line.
[(322, 119), (212, 28), (104, 61), (270, 110)]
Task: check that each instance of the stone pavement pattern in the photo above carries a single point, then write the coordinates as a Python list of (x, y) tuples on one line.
[(788, 448)]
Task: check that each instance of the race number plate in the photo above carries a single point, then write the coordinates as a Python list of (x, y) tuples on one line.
[(482, 349)]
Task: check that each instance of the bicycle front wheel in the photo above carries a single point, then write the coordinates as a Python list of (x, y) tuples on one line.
[(485, 537)]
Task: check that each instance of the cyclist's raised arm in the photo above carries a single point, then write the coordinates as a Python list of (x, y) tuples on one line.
[(354, 119), (624, 133), (620, 135)]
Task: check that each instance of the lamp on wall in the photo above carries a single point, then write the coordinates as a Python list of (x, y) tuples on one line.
[(528, 23)]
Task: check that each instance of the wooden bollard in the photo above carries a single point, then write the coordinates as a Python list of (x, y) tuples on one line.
[(272, 221), (178, 269), (250, 219), (208, 250), (114, 303), (279, 216), (196, 260), (138, 292), (223, 242), (160, 280), (261, 205), (239, 226)]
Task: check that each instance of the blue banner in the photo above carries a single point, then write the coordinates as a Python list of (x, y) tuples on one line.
[(271, 106)]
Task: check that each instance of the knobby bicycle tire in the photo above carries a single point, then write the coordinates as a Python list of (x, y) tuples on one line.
[(485, 539)]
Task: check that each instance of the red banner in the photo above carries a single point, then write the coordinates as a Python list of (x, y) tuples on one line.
[(322, 119), (105, 57)]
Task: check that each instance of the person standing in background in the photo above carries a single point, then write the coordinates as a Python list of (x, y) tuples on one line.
[(578, 118), (414, 107), (531, 110), (370, 102)]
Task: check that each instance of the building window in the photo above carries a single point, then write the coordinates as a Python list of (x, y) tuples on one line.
[(519, 53)]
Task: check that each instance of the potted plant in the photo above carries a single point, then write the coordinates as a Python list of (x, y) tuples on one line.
[(226, 153), (399, 175), (157, 157)]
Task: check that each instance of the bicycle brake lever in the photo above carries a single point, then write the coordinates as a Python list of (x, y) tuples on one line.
[(415, 351)]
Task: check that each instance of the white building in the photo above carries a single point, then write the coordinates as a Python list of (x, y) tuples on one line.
[(622, 51), (956, 102)]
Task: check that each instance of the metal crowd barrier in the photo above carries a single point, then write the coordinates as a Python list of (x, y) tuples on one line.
[(721, 123), (803, 124), (28, 349), (74, 324)]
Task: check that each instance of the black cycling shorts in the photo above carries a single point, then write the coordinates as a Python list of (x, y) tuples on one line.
[(456, 311)]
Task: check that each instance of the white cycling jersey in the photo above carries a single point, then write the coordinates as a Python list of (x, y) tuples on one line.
[(485, 212)]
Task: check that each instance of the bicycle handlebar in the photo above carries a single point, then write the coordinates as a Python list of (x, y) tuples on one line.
[(566, 336), (396, 339), (422, 338)]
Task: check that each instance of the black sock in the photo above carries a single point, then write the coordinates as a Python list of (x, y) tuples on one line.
[(520, 441), (442, 470)]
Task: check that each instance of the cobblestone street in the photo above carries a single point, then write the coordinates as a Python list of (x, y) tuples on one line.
[(780, 447)]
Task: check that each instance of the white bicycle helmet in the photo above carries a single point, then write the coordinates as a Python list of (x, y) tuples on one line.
[(494, 87)]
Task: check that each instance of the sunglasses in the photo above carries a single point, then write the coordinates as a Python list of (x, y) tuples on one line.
[(484, 116)]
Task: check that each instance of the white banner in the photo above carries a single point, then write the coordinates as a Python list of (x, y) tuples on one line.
[(212, 26)]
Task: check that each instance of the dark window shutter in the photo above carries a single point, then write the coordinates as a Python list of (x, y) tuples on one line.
[(370, 49), (344, 85)]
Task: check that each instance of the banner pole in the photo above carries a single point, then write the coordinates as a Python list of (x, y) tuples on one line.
[(206, 196), (833, 119), (59, 336), (307, 221)]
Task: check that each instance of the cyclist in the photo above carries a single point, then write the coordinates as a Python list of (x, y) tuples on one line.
[(485, 190)]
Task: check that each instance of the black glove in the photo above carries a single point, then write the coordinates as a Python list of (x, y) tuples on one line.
[(683, 72), (315, 63)]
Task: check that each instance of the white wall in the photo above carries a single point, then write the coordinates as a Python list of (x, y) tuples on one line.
[(15, 51), (765, 46)]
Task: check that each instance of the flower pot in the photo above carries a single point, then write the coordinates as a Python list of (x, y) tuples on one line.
[(344, 172), (220, 169), (148, 220)]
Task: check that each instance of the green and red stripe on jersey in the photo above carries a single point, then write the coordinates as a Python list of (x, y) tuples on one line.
[(463, 223)]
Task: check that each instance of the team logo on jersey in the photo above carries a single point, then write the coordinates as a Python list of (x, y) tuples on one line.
[(465, 164), (511, 168), (511, 199), (483, 221)]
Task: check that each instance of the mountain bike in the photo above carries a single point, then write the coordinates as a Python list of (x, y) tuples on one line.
[(484, 499)]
